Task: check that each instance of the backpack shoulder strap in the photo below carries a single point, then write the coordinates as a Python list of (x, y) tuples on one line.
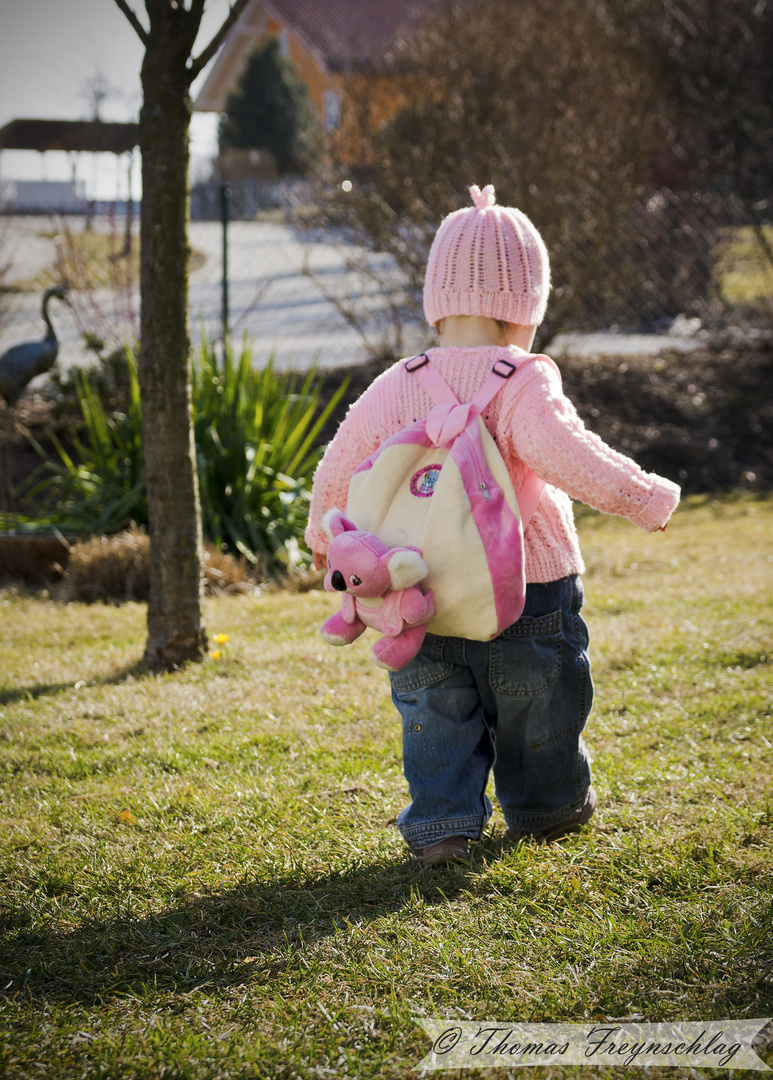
[(441, 393), (533, 486), (431, 379), (500, 373)]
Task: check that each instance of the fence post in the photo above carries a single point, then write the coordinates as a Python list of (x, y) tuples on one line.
[(225, 196)]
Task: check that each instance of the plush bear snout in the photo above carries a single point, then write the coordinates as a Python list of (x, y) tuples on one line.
[(338, 581)]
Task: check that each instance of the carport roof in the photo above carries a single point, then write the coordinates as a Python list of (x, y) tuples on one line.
[(75, 135)]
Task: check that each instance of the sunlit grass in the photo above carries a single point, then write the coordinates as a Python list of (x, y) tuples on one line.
[(744, 268), (202, 874)]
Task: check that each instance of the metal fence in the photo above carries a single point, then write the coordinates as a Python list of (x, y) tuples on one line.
[(682, 253), (307, 297)]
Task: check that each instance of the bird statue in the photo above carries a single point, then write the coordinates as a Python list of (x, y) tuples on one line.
[(21, 363)]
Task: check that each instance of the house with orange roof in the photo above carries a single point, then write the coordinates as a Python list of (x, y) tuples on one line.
[(338, 48)]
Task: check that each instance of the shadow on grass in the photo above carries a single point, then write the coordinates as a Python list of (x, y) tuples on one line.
[(270, 931), (253, 931), (9, 696)]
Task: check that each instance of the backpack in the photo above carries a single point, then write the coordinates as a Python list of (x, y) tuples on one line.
[(441, 485)]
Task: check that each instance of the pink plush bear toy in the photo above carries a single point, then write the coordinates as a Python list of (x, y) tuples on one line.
[(380, 589)]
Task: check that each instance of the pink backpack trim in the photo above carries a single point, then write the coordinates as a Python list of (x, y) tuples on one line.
[(498, 526)]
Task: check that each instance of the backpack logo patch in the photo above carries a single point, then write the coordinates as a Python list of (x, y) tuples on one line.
[(423, 482)]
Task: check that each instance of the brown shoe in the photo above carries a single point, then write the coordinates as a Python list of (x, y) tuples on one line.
[(452, 849), (572, 824)]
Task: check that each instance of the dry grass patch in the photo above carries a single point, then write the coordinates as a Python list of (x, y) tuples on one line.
[(117, 568)]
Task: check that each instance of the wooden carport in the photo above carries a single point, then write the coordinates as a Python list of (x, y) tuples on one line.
[(78, 136)]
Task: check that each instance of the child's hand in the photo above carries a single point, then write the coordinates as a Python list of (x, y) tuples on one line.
[(319, 561)]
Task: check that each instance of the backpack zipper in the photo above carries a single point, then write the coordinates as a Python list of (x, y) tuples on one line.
[(476, 465)]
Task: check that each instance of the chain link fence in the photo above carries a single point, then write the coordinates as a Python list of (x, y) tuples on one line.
[(305, 296), (693, 254), (252, 274)]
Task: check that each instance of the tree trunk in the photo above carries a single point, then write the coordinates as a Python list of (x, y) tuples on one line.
[(175, 630)]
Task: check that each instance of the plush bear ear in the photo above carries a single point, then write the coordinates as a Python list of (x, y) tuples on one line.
[(334, 523), (406, 567)]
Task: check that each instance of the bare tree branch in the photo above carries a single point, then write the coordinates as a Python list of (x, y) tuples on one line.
[(190, 24), (142, 33), (206, 55), (197, 10)]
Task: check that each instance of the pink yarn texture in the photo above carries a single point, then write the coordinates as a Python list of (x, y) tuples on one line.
[(487, 260)]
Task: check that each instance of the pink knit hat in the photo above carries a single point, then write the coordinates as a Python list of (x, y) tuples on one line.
[(487, 260)]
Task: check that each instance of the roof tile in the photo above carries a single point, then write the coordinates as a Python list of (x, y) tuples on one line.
[(347, 33)]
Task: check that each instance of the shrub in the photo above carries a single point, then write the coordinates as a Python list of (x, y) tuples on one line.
[(97, 485), (256, 436), (631, 142), (117, 568)]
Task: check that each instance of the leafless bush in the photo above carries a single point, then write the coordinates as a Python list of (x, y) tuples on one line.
[(712, 64), (226, 573), (101, 272), (562, 124), (586, 116), (107, 568)]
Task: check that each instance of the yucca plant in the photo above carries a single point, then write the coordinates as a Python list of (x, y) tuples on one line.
[(99, 486), (256, 435)]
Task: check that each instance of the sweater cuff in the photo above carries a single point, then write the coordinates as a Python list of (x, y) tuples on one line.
[(660, 506), (316, 542)]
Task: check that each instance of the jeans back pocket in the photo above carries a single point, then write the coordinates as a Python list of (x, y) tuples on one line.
[(526, 657)]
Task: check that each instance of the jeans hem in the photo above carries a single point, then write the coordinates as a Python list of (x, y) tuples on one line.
[(431, 832), (538, 822)]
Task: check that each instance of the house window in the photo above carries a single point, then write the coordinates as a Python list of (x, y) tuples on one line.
[(332, 109), (284, 42)]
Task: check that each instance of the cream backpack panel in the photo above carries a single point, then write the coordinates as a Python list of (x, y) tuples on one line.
[(441, 485)]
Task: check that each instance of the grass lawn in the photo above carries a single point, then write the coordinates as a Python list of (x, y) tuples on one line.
[(745, 272), (202, 877)]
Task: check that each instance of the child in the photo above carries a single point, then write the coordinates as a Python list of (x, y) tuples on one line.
[(517, 704)]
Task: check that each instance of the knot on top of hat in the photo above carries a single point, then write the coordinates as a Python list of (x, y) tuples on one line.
[(484, 198)]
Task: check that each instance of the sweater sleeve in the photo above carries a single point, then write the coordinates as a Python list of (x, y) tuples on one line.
[(358, 436), (548, 435)]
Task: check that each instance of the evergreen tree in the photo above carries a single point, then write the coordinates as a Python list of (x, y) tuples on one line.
[(271, 110)]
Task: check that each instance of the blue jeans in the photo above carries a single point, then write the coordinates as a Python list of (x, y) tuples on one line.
[(517, 704)]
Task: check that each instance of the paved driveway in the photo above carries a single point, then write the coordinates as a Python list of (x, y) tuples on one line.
[(282, 309)]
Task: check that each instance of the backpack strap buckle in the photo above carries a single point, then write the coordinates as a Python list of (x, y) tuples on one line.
[(416, 362), (431, 379), (500, 371)]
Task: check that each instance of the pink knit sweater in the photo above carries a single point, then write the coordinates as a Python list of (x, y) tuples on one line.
[(533, 424)]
